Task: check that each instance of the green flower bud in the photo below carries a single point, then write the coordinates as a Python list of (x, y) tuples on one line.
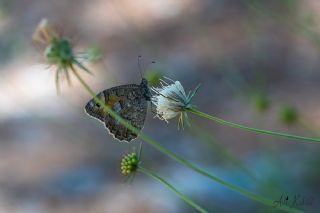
[(289, 114), (261, 102), (129, 163)]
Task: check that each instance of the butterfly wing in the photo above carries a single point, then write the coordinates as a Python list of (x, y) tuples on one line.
[(129, 102), (94, 109)]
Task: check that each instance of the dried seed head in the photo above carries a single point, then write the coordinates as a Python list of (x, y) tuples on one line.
[(57, 51), (44, 33)]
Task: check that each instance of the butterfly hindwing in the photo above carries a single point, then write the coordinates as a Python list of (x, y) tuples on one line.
[(94, 110), (128, 101), (131, 107)]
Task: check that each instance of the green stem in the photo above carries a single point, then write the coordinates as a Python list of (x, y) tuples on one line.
[(172, 155), (220, 149), (101, 102), (182, 196), (250, 129)]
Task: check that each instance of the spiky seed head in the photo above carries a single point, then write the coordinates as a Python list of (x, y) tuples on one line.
[(129, 163)]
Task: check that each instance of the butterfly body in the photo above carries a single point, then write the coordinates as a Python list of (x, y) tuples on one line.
[(129, 101)]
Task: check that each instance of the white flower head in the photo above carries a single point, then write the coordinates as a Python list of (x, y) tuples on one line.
[(171, 100)]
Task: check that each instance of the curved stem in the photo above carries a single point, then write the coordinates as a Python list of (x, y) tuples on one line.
[(105, 107), (164, 182), (250, 129), (172, 155), (220, 149)]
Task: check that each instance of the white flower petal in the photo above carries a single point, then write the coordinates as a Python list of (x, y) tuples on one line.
[(170, 100)]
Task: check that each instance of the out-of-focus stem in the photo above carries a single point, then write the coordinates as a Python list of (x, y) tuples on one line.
[(164, 182), (250, 129)]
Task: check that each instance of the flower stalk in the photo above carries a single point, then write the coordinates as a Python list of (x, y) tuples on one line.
[(130, 164), (171, 100), (220, 149), (250, 129), (168, 185)]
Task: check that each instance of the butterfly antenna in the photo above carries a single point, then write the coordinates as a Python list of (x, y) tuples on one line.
[(142, 66), (152, 62), (139, 65), (148, 65)]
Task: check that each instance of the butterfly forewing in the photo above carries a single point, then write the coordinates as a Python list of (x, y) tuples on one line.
[(128, 101)]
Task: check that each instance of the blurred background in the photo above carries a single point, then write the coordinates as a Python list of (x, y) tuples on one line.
[(258, 63)]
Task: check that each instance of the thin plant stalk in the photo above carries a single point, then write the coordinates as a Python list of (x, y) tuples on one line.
[(168, 185), (175, 157), (250, 129), (221, 149), (313, 36)]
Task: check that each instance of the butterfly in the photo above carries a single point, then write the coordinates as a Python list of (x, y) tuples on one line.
[(129, 101)]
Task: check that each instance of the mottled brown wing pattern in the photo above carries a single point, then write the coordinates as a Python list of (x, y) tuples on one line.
[(95, 110), (132, 106), (129, 101)]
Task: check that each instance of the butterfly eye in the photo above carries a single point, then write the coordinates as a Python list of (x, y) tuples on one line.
[(97, 105)]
